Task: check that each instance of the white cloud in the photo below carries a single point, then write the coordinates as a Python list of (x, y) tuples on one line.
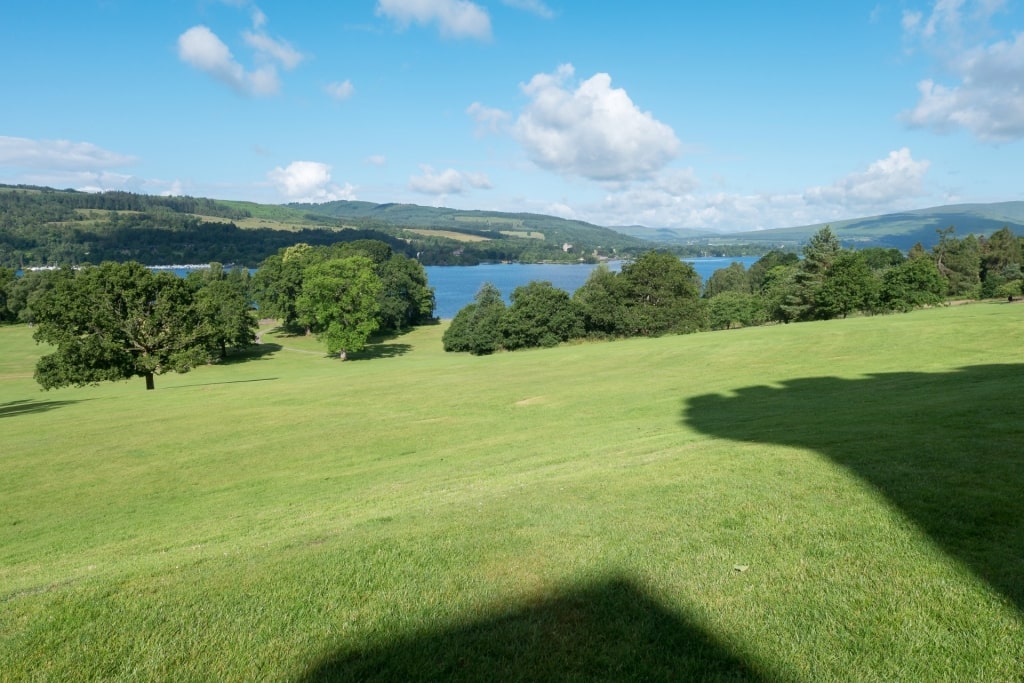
[(985, 96), (309, 181), (988, 101), (175, 190), (446, 182), (897, 177), (58, 154), (535, 6), (591, 129), (340, 90), (675, 199), (488, 118), (454, 18), (377, 160), (200, 47), (279, 50)]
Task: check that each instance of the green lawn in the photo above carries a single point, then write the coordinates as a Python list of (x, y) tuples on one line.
[(824, 501)]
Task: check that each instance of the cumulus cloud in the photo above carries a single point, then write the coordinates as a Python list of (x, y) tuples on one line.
[(896, 177), (309, 181), (590, 129), (340, 90), (984, 95), (446, 182), (454, 18), (58, 154)]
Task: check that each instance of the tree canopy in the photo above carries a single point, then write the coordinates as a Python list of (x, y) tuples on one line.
[(116, 321)]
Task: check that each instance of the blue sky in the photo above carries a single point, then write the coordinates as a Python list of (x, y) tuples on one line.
[(730, 116)]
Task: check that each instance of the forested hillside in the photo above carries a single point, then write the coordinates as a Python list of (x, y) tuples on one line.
[(43, 226)]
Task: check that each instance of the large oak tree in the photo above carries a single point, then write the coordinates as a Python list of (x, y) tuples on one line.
[(116, 321)]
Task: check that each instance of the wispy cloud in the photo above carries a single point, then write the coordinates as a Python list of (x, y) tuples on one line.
[(58, 154), (454, 18), (983, 94), (447, 182), (340, 90), (533, 6)]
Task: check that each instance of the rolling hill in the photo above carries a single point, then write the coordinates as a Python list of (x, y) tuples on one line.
[(896, 230)]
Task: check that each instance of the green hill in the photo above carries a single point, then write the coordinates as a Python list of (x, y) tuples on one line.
[(895, 230), (43, 226)]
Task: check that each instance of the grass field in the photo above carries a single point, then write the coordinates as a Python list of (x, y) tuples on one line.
[(836, 501)]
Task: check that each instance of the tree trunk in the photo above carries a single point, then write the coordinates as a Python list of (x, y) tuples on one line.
[(149, 382), (342, 355)]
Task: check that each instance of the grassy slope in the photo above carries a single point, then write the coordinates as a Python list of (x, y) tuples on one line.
[(431, 516)]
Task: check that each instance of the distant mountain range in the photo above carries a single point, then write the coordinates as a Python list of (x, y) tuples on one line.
[(898, 230)]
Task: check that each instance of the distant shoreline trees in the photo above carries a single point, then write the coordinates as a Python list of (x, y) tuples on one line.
[(659, 294)]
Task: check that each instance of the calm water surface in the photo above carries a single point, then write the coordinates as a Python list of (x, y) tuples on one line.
[(455, 286)]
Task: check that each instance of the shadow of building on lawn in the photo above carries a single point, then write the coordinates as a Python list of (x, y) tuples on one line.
[(609, 631), (947, 449)]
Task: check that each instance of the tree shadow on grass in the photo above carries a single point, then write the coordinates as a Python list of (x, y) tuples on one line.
[(381, 350), (947, 449), (250, 353), (230, 381), (29, 406), (608, 631)]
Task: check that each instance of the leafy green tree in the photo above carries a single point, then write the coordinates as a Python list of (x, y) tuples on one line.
[(339, 303), (819, 254), (1000, 261), (733, 278), (222, 300), (116, 321), (540, 315), (600, 300), (8, 276), (23, 293), (735, 309), (278, 283), (880, 259), (847, 286), (662, 295), (777, 290), (477, 326), (914, 283), (406, 299), (959, 262), (758, 271)]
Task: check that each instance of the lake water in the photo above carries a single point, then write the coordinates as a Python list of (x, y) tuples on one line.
[(455, 286)]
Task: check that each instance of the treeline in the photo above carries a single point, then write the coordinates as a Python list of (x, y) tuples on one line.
[(659, 294)]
